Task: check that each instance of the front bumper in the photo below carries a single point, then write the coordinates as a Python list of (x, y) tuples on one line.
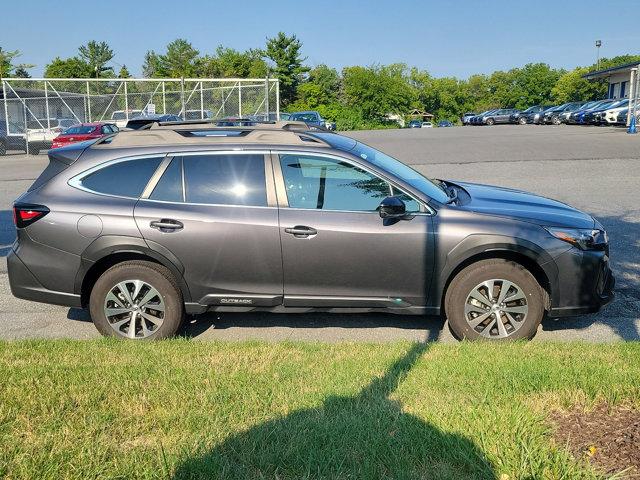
[(585, 283)]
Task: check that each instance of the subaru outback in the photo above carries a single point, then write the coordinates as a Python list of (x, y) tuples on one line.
[(145, 227)]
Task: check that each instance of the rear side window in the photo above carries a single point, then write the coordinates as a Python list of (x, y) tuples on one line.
[(236, 179), (124, 179), (169, 187)]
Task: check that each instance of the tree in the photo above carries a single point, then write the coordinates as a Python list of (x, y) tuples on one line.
[(21, 72), (180, 60), (124, 72), (229, 63), (7, 68), (73, 67), (97, 55), (284, 52), (572, 87), (328, 82)]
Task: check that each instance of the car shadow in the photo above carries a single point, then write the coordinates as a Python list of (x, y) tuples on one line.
[(367, 435)]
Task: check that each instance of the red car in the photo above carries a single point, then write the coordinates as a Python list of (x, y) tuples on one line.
[(82, 132)]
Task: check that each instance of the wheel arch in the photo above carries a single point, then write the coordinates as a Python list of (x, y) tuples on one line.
[(525, 253), (108, 251)]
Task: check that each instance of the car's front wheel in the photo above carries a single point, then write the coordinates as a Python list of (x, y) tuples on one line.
[(522, 121), (490, 121), (138, 300), (494, 300)]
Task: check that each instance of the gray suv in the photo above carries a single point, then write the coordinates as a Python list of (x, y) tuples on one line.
[(146, 226)]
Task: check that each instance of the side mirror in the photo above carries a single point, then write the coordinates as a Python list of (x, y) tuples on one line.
[(392, 207)]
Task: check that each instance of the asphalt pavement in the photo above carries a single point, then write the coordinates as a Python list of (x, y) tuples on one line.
[(594, 169)]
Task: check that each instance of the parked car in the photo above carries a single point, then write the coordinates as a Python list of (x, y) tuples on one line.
[(198, 114), (445, 123), (40, 133), (235, 122), (313, 119), (621, 119), (142, 230), (82, 132), (285, 116), (466, 117), (139, 122), (427, 125), (477, 119), (415, 124), (121, 117), (594, 116), (538, 117), (499, 116), (577, 116), (553, 115), (521, 117), (610, 115), (14, 140)]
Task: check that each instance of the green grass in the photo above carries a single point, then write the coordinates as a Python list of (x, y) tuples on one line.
[(184, 409)]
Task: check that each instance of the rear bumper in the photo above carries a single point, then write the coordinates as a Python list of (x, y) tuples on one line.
[(586, 283), (25, 285)]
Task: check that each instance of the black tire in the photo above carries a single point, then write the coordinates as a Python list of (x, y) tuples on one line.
[(473, 275), (33, 150), (522, 121), (156, 275), (555, 120), (3, 149), (490, 121)]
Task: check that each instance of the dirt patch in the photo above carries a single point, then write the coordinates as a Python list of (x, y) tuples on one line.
[(607, 438)]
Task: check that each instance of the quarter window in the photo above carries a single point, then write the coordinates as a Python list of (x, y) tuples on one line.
[(169, 187), (124, 179), (232, 179), (329, 184)]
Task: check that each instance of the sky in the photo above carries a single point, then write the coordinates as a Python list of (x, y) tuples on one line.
[(447, 38)]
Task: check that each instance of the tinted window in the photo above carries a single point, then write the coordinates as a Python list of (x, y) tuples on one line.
[(225, 179), (169, 187), (79, 130), (125, 179), (328, 184)]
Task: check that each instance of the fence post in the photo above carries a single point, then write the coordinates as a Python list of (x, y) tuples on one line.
[(201, 103), (182, 95), (278, 99), (88, 103), (239, 98), (266, 98), (46, 103), (126, 101), (164, 100), (6, 109)]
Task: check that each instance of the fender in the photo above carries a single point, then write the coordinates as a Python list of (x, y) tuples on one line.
[(482, 245), (112, 244)]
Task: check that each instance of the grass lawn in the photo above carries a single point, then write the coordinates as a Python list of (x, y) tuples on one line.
[(185, 409)]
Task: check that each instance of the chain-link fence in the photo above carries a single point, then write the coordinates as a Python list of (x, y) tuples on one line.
[(37, 109)]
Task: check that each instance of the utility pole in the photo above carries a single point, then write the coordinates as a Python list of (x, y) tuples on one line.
[(598, 45)]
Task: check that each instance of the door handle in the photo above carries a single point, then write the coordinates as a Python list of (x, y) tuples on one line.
[(166, 224), (301, 231)]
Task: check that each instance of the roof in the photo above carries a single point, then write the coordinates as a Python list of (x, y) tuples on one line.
[(608, 71), (195, 133)]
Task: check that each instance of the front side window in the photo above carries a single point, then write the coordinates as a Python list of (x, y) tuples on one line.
[(215, 179), (124, 179), (329, 184)]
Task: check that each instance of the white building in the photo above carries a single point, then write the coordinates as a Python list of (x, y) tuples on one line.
[(619, 79)]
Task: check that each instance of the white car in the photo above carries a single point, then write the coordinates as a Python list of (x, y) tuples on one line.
[(120, 117), (41, 132), (611, 116), (427, 125)]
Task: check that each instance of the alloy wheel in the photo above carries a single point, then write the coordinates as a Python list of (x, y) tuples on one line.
[(496, 308), (134, 309)]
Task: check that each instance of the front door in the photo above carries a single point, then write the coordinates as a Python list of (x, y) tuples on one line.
[(213, 213), (337, 251)]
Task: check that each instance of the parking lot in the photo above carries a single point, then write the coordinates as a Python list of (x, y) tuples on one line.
[(594, 169)]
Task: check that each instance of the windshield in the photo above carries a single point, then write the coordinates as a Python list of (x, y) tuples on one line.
[(79, 130), (402, 171)]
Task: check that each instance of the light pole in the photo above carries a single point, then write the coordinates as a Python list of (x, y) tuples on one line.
[(598, 45)]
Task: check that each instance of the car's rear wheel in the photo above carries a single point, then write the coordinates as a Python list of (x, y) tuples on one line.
[(522, 121), (138, 300), (494, 300)]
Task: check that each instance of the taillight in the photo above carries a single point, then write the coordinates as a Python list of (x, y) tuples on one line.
[(25, 214)]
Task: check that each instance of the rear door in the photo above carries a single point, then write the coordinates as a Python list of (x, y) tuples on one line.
[(337, 251), (216, 213)]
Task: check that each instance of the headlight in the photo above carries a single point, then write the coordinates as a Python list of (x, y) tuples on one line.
[(585, 239)]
